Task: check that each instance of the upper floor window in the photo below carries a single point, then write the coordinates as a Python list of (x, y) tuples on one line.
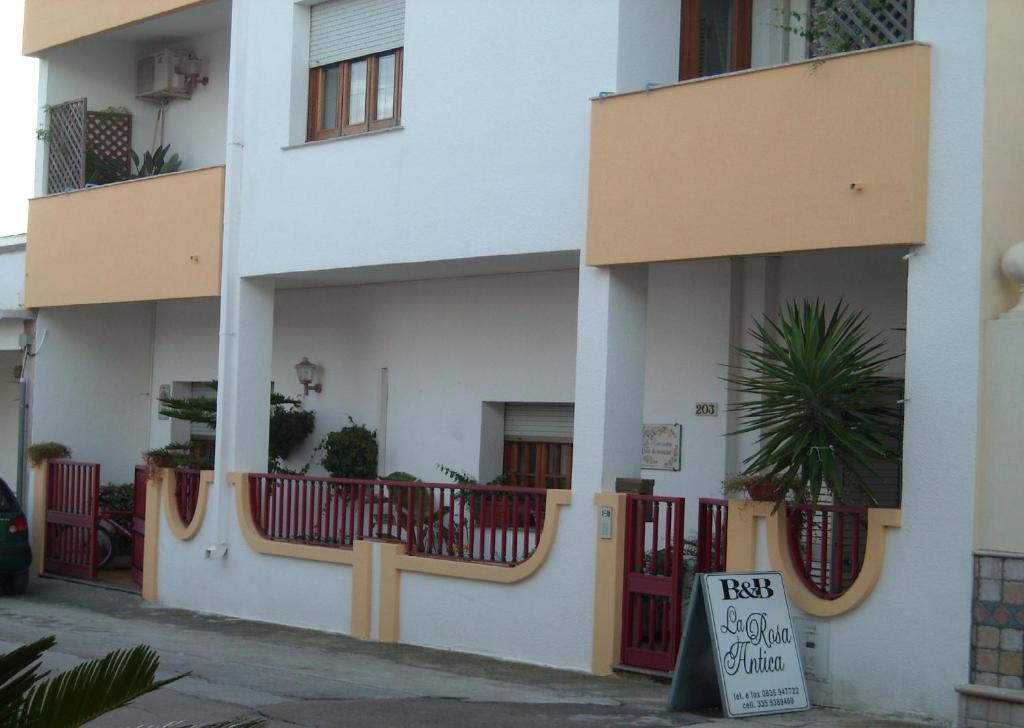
[(355, 60), (714, 37)]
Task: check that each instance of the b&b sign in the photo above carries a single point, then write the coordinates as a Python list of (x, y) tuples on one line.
[(739, 650)]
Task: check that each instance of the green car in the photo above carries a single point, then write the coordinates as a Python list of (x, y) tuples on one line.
[(15, 552)]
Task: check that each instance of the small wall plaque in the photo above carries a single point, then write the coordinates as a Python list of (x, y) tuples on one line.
[(662, 447)]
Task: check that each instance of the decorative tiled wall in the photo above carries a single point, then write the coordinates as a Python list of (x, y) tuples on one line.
[(997, 629)]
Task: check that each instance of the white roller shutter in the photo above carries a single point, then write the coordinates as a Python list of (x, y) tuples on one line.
[(344, 29), (535, 421)]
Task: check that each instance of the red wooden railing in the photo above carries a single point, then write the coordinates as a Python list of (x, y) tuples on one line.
[(827, 545), (491, 524), (652, 604), (72, 505), (186, 493), (712, 535)]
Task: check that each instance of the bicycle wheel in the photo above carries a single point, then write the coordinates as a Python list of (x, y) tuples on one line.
[(104, 548)]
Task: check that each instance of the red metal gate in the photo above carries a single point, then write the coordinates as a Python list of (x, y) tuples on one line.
[(72, 503), (712, 533), (139, 523), (652, 607)]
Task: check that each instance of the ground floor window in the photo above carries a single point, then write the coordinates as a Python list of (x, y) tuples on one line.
[(537, 450)]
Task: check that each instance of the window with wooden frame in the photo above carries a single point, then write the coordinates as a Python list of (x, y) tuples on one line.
[(537, 449), (538, 464), (714, 37), (355, 96)]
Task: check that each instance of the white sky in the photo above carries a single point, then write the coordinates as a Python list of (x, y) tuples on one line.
[(18, 121)]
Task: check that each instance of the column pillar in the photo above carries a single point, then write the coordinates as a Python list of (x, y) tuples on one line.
[(611, 353)]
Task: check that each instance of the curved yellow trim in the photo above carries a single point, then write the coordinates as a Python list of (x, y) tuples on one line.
[(394, 560), (492, 572), (177, 526), (262, 545), (874, 558), (743, 550)]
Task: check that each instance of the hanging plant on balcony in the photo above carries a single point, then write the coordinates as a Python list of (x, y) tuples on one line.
[(816, 393)]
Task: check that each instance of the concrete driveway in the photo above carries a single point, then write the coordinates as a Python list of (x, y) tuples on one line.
[(298, 677)]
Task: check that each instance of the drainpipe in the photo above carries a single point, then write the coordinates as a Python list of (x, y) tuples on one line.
[(230, 256), (22, 445)]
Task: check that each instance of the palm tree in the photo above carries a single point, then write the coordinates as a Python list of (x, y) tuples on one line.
[(32, 699), (816, 393)]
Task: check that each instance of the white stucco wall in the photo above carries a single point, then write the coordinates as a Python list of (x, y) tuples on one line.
[(185, 350), (449, 345), (10, 392), (91, 383), (12, 272), (491, 159), (648, 45)]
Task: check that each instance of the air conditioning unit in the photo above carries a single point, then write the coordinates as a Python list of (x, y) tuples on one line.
[(160, 76)]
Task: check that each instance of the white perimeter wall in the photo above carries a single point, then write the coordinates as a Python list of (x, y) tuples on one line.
[(491, 159), (449, 346)]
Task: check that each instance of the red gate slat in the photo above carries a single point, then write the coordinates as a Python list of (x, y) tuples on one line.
[(72, 505), (653, 582)]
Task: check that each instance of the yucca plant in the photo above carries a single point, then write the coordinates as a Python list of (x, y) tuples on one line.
[(816, 392), (32, 699)]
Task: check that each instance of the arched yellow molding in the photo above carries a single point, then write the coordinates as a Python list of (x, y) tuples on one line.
[(177, 526), (742, 554), (359, 557), (394, 560)]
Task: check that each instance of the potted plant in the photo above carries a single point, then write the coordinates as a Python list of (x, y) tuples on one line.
[(758, 486), (815, 390)]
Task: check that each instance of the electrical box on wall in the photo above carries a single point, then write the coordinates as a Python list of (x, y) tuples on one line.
[(812, 637)]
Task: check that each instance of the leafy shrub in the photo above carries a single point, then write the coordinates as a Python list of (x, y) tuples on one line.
[(351, 452), (41, 451), (400, 476)]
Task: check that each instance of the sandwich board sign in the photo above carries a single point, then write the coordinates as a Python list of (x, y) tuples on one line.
[(739, 649)]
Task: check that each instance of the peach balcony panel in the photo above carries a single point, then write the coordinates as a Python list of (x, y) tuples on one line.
[(52, 23), (806, 156), (143, 240)]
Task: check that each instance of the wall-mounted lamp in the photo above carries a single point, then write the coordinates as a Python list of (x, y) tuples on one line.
[(305, 370)]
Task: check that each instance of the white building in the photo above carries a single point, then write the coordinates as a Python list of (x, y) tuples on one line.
[(491, 224)]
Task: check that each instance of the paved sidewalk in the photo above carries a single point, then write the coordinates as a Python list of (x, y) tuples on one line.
[(298, 677)]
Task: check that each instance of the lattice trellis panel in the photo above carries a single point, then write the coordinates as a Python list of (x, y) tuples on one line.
[(850, 25), (109, 138), (66, 146)]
